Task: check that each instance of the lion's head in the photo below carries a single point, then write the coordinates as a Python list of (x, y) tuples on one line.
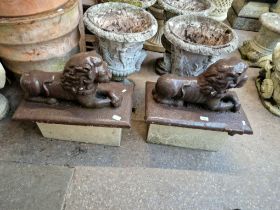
[(222, 75), (83, 71)]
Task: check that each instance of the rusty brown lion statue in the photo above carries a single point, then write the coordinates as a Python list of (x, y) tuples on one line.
[(78, 82), (209, 89)]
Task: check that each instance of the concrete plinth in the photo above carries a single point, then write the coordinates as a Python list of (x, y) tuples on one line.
[(244, 15), (186, 137), (191, 126), (70, 122), (87, 134)]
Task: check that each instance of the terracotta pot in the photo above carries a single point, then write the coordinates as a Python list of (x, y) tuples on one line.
[(40, 42), (17, 8)]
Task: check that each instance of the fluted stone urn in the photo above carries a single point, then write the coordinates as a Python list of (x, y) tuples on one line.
[(122, 30), (172, 9), (266, 39), (197, 42)]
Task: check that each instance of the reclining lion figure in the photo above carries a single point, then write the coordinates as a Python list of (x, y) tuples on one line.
[(78, 82), (209, 88)]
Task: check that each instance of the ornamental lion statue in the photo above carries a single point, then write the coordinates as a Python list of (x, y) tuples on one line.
[(209, 88), (78, 82)]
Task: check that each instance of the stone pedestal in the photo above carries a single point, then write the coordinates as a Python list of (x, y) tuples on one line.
[(265, 41), (191, 126), (68, 121), (245, 15), (154, 44)]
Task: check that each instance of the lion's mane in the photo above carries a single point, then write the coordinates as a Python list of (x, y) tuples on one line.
[(219, 77)]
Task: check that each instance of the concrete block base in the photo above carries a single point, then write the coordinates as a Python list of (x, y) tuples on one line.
[(88, 134), (186, 137), (243, 23)]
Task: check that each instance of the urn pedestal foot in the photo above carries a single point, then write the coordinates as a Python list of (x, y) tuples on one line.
[(154, 44), (163, 65), (70, 122), (191, 126)]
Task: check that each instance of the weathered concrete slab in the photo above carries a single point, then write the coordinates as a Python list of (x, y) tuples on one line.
[(28, 187), (143, 188)]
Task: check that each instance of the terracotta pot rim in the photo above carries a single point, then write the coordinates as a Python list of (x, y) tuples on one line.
[(40, 16)]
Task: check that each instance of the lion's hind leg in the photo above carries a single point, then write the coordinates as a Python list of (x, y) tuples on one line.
[(168, 101)]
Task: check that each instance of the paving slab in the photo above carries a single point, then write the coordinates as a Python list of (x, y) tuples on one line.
[(142, 188), (28, 187)]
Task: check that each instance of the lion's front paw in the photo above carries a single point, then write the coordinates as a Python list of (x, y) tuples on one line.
[(116, 101), (52, 101)]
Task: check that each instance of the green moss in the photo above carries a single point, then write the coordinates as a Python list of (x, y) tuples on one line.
[(133, 2)]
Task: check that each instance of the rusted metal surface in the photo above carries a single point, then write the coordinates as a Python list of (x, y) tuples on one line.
[(194, 116), (16, 8), (40, 42), (73, 114)]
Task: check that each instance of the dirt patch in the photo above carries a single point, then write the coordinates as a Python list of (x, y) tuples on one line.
[(206, 35), (124, 21)]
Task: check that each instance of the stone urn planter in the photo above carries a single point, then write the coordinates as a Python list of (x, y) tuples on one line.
[(221, 9), (266, 39), (171, 9), (122, 30), (197, 42), (140, 3)]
